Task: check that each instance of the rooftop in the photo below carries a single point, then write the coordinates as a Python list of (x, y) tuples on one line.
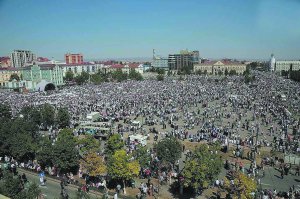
[(9, 68)]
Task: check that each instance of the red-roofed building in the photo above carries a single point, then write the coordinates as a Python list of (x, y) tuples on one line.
[(42, 59), (5, 62)]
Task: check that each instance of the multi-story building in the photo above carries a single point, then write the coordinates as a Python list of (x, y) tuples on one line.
[(77, 69), (215, 67), (5, 62), (5, 74), (279, 66), (287, 65), (19, 58), (159, 62), (185, 59), (51, 73), (73, 58), (196, 57), (125, 67)]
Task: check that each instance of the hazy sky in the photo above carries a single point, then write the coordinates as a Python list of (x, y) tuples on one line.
[(132, 28)]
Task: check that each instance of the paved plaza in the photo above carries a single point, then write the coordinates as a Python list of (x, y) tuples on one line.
[(259, 120)]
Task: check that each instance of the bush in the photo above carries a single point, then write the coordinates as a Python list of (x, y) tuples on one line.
[(160, 77)]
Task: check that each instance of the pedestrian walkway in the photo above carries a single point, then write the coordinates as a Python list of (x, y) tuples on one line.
[(52, 188)]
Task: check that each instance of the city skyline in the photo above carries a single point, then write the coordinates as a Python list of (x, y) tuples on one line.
[(115, 29)]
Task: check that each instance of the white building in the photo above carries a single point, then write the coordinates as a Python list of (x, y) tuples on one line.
[(77, 69), (287, 65), (125, 67), (19, 58), (214, 67), (279, 66)]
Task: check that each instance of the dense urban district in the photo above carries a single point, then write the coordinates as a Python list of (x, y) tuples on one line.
[(180, 127)]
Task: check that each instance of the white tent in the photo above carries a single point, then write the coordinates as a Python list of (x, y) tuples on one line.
[(139, 138), (42, 85)]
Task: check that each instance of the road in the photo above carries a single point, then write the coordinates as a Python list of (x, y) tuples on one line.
[(272, 180), (52, 189)]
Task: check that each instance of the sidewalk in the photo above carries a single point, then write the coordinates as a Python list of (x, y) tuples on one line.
[(52, 188)]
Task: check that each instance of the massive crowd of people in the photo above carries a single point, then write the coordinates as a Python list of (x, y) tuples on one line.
[(199, 108)]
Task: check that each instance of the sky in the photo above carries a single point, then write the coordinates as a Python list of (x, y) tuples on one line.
[(103, 29)]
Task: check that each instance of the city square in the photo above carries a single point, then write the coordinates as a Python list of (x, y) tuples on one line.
[(155, 99)]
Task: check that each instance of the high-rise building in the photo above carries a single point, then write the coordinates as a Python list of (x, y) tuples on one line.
[(196, 57), (183, 60), (159, 62), (19, 58), (74, 58)]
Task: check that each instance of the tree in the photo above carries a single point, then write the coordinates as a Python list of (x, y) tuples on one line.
[(97, 79), (253, 65), (160, 77), (88, 144), (63, 117), (244, 186), (31, 113), (17, 138), (169, 73), (199, 72), (187, 70), (247, 71), (134, 75), (85, 76), (202, 167), (12, 187), (44, 153), (160, 71), (82, 78), (22, 146), (69, 75), (65, 155), (48, 115), (5, 125), (232, 72), (21, 139), (119, 75), (94, 164), (14, 76), (142, 155), (249, 78), (114, 143), (5, 111), (79, 80), (220, 73), (295, 75), (226, 72), (169, 150), (120, 167)]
